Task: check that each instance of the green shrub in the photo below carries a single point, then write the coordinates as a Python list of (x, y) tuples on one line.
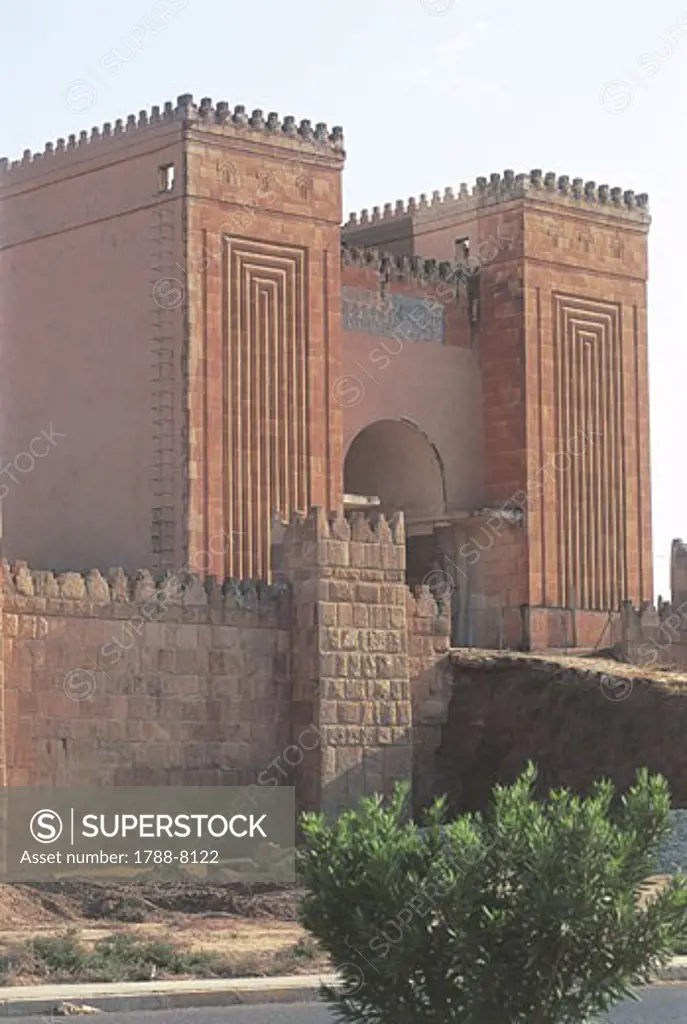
[(125, 957), (526, 915), (60, 954), (118, 957)]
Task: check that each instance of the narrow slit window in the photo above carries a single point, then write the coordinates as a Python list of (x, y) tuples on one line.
[(166, 178), (462, 248)]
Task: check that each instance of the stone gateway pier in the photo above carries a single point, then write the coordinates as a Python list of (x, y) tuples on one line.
[(322, 452), (331, 678)]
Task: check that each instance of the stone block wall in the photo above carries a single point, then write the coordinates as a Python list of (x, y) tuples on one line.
[(131, 682), (350, 657), (429, 630), (656, 636), (315, 680), (577, 719), (678, 571)]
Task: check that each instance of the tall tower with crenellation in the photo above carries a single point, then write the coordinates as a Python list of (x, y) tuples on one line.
[(188, 348), (170, 315), (557, 319)]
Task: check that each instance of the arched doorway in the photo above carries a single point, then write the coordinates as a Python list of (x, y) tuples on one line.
[(395, 462)]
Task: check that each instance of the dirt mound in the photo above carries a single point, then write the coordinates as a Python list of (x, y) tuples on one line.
[(21, 906), (136, 902), (239, 899)]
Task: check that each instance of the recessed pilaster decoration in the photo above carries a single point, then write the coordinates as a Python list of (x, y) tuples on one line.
[(265, 351), (590, 475)]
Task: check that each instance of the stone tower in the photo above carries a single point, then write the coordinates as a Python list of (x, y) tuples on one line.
[(191, 349), (171, 315), (557, 314), (263, 214)]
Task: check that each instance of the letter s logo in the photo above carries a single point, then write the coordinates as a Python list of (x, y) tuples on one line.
[(46, 826)]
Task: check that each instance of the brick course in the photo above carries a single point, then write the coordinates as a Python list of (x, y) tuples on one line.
[(309, 681), (229, 402)]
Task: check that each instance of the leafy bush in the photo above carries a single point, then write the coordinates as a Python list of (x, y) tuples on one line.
[(119, 957), (60, 954), (526, 915)]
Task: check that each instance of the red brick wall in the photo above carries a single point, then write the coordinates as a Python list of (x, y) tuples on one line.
[(587, 374), (562, 339), (125, 683), (263, 256), (90, 257)]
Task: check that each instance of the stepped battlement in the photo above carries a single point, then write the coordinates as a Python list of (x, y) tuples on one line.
[(166, 592), (320, 524), (402, 268), (186, 114), (500, 188)]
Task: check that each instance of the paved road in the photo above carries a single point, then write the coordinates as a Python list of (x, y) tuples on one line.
[(661, 1004)]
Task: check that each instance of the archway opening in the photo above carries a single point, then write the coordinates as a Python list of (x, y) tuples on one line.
[(394, 461)]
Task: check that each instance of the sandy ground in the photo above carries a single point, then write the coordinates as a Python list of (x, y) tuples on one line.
[(247, 927)]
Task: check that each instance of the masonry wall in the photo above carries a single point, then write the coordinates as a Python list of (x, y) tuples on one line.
[(577, 719), (264, 210), (655, 638), (587, 387), (678, 572), (430, 674), (118, 682), (350, 659), (92, 327), (408, 354), (333, 679), (560, 329)]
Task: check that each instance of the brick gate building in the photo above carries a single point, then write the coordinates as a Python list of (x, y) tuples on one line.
[(185, 317)]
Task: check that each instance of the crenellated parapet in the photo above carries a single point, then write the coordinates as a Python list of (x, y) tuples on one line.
[(500, 188), (184, 114), (390, 267), (320, 524), (118, 595)]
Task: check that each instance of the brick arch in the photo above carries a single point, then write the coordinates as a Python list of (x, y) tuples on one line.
[(396, 461)]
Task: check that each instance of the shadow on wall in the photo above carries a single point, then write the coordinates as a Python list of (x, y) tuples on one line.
[(577, 724), (395, 460)]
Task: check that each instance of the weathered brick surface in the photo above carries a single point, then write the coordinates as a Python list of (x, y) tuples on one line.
[(263, 273), (351, 657), (577, 719), (430, 675), (129, 683), (560, 329)]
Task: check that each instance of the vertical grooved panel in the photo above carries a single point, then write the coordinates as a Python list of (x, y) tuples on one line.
[(268, 355), (227, 435), (601, 597), (638, 449), (590, 450), (540, 402), (592, 496)]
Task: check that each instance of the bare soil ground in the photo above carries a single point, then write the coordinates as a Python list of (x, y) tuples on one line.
[(253, 928)]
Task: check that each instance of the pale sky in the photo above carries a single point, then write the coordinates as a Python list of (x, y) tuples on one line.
[(429, 92)]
